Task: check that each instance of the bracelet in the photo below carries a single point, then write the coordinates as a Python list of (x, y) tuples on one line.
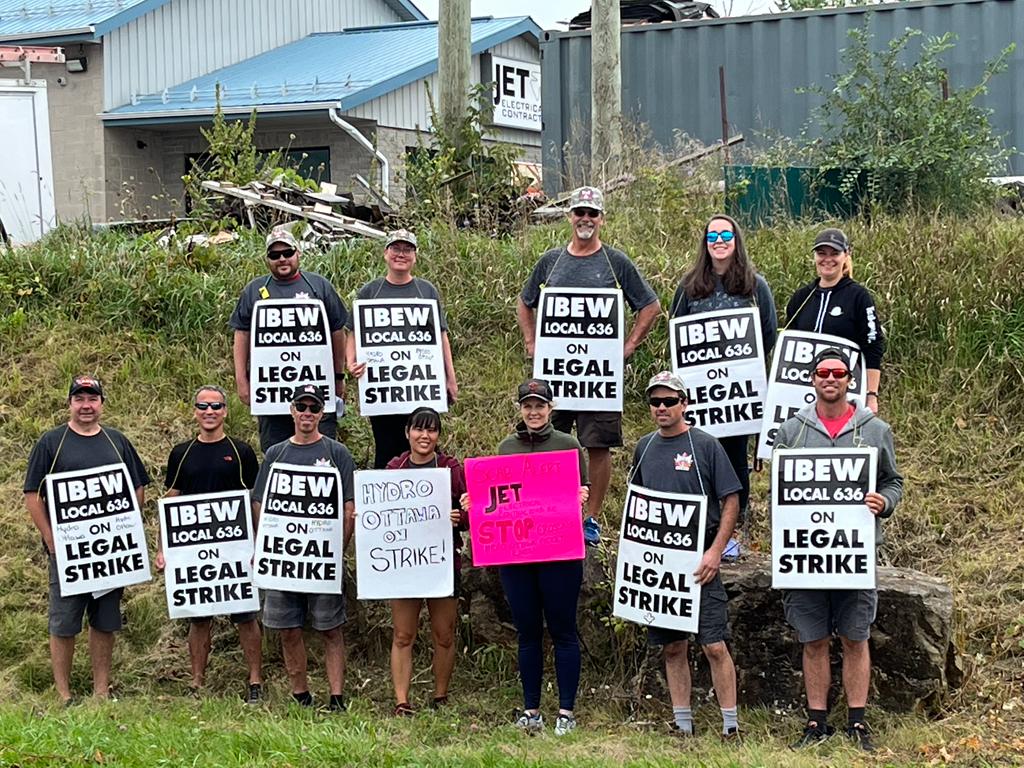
[(339, 376), (869, 394)]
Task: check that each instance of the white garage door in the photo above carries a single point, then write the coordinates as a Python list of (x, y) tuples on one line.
[(26, 172)]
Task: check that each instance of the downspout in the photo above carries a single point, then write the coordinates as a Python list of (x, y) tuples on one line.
[(351, 130)]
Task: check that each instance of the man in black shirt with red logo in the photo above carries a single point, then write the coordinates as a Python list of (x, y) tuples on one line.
[(212, 462)]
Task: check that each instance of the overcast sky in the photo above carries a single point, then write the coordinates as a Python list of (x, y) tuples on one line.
[(548, 13)]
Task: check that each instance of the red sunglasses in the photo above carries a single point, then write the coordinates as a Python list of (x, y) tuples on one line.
[(835, 373)]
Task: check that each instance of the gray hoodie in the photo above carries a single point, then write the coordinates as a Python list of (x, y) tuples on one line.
[(864, 430)]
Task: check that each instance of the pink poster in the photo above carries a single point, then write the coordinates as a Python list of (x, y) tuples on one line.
[(525, 508)]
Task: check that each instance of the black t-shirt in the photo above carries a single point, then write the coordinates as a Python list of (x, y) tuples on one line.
[(196, 467), (305, 285), (64, 450)]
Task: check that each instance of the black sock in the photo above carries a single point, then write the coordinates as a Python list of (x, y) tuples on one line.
[(305, 698), (819, 716), (856, 715)]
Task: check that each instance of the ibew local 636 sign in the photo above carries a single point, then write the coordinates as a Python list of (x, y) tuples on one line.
[(516, 92)]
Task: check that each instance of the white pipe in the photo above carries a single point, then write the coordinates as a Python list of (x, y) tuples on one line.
[(351, 130)]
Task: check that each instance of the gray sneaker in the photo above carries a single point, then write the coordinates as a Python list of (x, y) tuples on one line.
[(564, 724), (530, 723)]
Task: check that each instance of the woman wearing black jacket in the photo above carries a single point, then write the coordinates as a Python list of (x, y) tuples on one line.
[(835, 304)]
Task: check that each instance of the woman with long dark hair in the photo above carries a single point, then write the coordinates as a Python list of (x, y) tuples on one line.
[(723, 277)]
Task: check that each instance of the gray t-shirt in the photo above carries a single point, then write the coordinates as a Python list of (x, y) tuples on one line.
[(324, 452), (667, 464), (73, 451), (415, 289), (304, 285), (608, 268)]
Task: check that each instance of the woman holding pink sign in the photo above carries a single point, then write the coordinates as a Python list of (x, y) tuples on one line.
[(548, 591), (422, 430)]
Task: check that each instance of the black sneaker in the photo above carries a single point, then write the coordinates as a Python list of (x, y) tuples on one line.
[(304, 699), (255, 696), (861, 736), (813, 734), (732, 736), (336, 703)]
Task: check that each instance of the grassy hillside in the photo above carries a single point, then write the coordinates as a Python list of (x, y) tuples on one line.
[(152, 323)]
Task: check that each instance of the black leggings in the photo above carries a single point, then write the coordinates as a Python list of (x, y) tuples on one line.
[(541, 592), (736, 449)]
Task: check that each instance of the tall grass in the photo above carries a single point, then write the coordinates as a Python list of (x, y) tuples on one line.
[(152, 321)]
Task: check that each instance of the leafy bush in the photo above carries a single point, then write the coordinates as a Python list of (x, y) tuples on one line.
[(898, 133), (461, 176)]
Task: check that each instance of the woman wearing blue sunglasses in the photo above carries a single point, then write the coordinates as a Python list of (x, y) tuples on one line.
[(722, 277)]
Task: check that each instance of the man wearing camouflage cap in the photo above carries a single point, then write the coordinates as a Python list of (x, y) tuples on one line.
[(287, 281), (678, 458), (398, 283), (586, 262)]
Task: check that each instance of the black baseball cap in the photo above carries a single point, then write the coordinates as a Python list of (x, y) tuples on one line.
[(308, 391), (829, 354), (537, 388), (85, 383), (833, 237)]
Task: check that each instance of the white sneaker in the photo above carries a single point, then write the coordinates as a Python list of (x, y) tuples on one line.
[(530, 723), (564, 724)]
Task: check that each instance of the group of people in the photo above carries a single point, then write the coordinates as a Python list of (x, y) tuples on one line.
[(675, 457)]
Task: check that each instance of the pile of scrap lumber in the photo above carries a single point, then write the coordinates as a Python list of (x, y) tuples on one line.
[(264, 205)]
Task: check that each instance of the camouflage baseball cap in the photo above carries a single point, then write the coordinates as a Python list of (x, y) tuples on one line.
[(400, 236), (666, 379), (587, 197), (282, 235)]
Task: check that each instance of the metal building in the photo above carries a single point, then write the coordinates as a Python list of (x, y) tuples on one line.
[(670, 72)]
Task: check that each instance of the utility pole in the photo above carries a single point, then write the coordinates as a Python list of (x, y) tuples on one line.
[(454, 58), (605, 91)]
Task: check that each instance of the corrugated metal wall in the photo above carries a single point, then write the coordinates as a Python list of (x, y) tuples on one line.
[(670, 71), (408, 107), (187, 38)]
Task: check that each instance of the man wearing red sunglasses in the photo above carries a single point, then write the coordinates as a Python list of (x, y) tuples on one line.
[(834, 421)]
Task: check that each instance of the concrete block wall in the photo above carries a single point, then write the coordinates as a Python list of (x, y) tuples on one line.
[(76, 134)]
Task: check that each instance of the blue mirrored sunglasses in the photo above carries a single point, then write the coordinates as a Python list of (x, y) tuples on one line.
[(726, 234)]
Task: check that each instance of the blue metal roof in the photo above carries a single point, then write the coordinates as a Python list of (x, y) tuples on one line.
[(68, 19), (63, 20), (342, 69)]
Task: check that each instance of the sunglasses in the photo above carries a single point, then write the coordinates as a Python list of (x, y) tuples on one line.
[(726, 234), (835, 373), (211, 406), (311, 407), (285, 253), (590, 213), (668, 402)]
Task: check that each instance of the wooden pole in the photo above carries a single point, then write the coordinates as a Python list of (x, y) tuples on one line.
[(605, 90), (725, 113), (454, 58)]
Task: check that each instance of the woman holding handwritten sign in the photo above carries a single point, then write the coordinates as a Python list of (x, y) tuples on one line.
[(545, 591), (422, 430)]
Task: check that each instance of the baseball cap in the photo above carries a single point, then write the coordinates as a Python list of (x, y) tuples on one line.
[(537, 388), (310, 391), (282, 235), (400, 236), (587, 197), (85, 383), (833, 237), (829, 354), (666, 379)]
